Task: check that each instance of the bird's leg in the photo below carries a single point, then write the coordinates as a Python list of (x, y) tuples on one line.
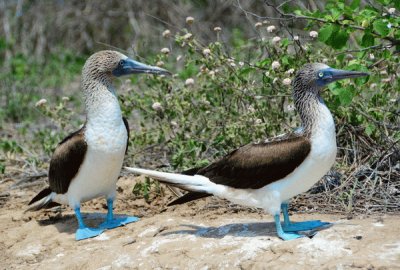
[(284, 235), (300, 226), (112, 222), (84, 232)]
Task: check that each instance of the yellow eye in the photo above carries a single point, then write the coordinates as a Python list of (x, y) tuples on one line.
[(321, 74)]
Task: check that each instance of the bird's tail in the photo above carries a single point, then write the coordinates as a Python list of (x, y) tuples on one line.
[(44, 199), (195, 183)]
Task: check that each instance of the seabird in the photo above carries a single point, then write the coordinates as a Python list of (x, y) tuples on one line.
[(87, 163), (268, 174)]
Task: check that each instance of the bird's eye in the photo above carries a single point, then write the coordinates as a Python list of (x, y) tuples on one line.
[(321, 74), (121, 63)]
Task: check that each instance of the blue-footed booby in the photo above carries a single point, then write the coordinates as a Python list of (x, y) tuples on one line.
[(87, 163), (268, 174)]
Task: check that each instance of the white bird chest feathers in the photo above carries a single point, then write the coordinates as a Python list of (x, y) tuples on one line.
[(106, 137)]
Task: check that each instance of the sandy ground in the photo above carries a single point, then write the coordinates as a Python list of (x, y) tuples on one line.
[(208, 234)]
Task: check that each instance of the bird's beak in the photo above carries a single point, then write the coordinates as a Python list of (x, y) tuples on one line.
[(338, 74), (129, 66)]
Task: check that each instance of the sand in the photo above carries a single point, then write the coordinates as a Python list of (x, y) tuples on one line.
[(208, 234)]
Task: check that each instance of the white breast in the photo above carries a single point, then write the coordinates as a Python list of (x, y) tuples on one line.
[(106, 137)]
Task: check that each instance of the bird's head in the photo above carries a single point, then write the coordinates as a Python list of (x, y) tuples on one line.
[(318, 75), (113, 63)]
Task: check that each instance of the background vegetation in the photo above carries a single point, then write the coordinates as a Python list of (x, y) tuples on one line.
[(232, 63)]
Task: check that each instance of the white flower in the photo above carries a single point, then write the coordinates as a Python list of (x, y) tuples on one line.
[(241, 64), (389, 25), (276, 39), (206, 52), (274, 80), (258, 121), (287, 81), (187, 36), (391, 10), (290, 71), (65, 99), (232, 64), (271, 28), (166, 33), (266, 73), (275, 65), (157, 106), (41, 102), (160, 64), (174, 124), (178, 58), (258, 25), (296, 38), (189, 20), (189, 82), (371, 56), (217, 29), (251, 109), (290, 107), (165, 50), (265, 22), (206, 102), (373, 85), (211, 73), (314, 34)]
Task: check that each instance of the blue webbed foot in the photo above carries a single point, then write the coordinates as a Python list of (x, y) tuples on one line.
[(289, 236), (116, 222), (86, 232), (305, 226), (281, 233)]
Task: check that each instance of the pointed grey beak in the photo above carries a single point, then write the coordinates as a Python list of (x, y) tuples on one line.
[(338, 74), (129, 66), (330, 75)]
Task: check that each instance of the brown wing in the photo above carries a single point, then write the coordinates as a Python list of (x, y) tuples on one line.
[(66, 161), (252, 165), (257, 165)]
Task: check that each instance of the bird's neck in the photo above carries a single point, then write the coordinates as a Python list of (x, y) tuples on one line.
[(101, 102), (314, 114)]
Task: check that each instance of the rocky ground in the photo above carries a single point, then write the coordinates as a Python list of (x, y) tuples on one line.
[(208, 234)]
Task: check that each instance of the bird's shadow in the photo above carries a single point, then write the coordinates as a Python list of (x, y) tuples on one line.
[(67, 223), (252, 229), (235, 229)]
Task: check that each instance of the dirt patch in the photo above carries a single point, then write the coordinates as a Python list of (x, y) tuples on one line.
[(208, 234)]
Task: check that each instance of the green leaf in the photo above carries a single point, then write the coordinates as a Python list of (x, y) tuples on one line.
[(367, 40), (345, 96), (325, 32), (355, 4), (381, 28), (246, 70), (396, 4), (339, 39), (369, 129)]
